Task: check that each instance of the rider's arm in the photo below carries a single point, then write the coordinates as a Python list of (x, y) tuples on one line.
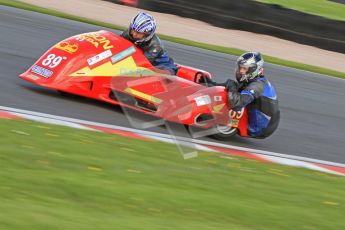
[(238, 100), (154, 49), (207, 81), (153, 52)]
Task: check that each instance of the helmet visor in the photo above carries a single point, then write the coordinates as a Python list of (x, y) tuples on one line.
[(137, 36)]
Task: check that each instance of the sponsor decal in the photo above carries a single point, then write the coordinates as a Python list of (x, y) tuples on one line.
[(217, 108), (96, 40), (236, 114), (145, 96), (135, 72), (123, 54), (217, 98), (99, 57), (52, 60), (202, 100), (33, 77), (234, 123), (42, 71), (108, 69), (67, 46)]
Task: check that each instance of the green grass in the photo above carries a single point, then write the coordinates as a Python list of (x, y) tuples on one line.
[(227, 50), (324, 8), (53, 177)]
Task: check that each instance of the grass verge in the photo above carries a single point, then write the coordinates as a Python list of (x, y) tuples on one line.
[(62, 178), (227, 50), (323, 8)]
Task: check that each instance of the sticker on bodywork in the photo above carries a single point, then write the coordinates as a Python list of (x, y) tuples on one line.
[(67, 47), (236, 114), (123, 54), (217, 108), (33, 77), (99, 57), (202, 100), (96, 40), (42, 71), (217, 98), (234, 123)]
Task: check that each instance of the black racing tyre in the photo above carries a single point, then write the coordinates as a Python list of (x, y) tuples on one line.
[(225, 132), (217, 132)]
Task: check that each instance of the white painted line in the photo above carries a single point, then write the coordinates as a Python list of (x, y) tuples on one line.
[(297, 163), (188, 144), (54, 121), (167, 136)]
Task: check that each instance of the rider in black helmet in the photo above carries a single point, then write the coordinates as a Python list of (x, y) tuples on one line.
[(254, 91)]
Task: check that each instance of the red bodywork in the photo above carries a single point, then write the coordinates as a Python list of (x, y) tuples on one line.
[(107, 67), (133, 3)]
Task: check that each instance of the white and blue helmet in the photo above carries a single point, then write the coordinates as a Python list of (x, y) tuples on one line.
[(143, 23)]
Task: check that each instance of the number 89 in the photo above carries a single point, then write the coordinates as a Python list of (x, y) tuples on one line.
[(52, 60)]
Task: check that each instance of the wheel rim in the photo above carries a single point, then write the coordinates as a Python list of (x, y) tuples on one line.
[(225, 129)]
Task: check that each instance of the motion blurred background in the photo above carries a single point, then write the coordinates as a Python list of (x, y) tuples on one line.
[(318, 23), (54, 177)]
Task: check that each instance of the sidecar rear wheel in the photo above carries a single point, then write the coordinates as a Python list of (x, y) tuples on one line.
[(225, 132)]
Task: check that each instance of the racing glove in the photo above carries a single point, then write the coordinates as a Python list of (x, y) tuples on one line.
[(231, 86), (206, 80)]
